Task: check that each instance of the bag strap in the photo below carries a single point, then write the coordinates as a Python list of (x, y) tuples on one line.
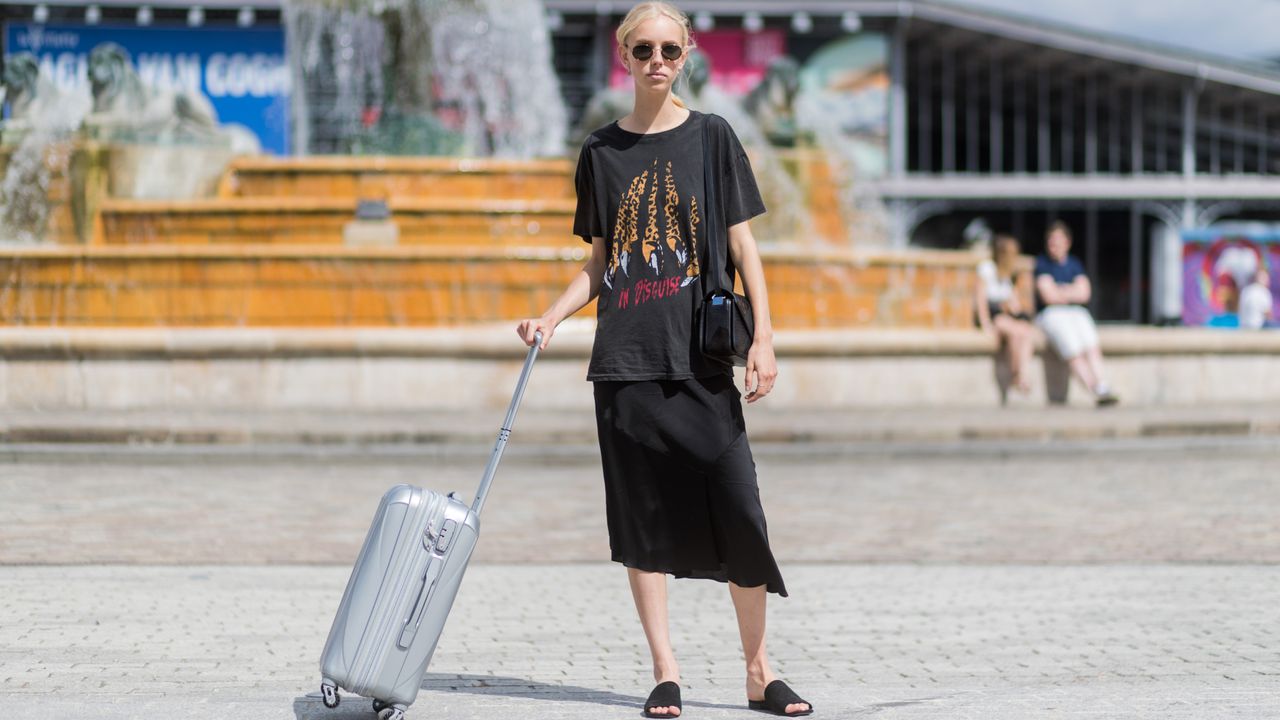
[(711, 212)]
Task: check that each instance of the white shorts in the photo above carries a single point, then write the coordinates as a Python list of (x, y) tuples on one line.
[(1070, 329)]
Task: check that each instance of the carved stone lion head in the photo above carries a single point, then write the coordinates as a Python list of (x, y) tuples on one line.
[(21, 74), (109, 72)]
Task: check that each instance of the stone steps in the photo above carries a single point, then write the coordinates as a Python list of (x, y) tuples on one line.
[(398, 177), (460, 222)]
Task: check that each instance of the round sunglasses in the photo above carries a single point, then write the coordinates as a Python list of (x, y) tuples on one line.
[(644, 51)]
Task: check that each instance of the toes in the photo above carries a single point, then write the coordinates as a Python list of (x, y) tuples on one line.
[(797, 707)]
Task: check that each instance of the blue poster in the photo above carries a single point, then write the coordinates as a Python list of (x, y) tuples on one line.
[(242, 71)]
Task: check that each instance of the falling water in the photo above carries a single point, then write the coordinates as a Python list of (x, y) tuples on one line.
[(864, 211), (36, 140), (788, 219), (475, 71)]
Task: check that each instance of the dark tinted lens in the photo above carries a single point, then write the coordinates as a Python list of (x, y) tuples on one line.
[(672, 51), (644, 52)]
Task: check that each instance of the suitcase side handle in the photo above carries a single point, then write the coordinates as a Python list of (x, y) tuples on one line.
[(419, 606), (505, 432)]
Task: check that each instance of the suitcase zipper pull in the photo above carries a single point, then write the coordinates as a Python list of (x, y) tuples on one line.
[(429, 535)]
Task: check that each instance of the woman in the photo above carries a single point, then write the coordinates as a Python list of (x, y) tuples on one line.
[(1001, 312), (680, 483)]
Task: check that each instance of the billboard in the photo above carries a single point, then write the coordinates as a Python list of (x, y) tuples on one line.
[(1218, 264), (242, 71)]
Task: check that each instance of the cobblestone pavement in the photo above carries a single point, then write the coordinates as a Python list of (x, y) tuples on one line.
[(562, 641), (1132, 579), (1175, 500)]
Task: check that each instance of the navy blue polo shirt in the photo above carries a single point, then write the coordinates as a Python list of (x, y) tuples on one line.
[(1063, 273)]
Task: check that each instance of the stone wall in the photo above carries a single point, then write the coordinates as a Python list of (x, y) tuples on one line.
[(454, 369)]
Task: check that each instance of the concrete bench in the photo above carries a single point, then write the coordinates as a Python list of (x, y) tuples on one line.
[(447, 369)]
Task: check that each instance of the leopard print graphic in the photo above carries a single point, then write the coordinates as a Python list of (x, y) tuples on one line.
[(664, 251), (670, 202), (650, 247), (692, 270), (624, 230)]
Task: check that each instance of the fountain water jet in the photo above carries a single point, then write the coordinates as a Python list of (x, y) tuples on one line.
[(36, 140), (474, 76)]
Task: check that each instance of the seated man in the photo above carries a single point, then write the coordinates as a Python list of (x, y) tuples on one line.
[(1062, 291)]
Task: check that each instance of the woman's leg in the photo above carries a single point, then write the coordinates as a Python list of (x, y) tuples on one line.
[(1014, 345), (750, 606), (1025, 350), (649, 590)]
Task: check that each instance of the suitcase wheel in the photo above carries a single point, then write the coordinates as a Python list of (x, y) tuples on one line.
[(391, 713), (379, 706), (329, 693)]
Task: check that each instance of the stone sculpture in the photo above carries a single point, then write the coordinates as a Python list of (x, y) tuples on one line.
[(21, 76), (772, 102), (125, 109)]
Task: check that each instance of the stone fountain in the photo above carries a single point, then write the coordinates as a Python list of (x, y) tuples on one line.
[(62, 153), (482, 234)]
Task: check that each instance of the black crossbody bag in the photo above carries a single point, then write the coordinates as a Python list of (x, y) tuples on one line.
[(725, 324)]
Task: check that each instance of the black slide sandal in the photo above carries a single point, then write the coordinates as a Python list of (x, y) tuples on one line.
[(665, 694), (777, 696)]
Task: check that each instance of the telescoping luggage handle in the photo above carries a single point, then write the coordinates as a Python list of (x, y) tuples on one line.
[(505, 433)]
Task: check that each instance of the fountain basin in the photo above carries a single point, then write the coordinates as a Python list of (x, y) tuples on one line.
[(404, 286)]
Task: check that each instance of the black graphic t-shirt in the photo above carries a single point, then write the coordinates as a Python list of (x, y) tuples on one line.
[(644, 195)]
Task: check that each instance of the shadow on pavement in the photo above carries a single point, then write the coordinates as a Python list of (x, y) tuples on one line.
[(534, 690), (354, 707)]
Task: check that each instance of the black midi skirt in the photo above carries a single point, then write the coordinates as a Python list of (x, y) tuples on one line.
[(680, 483)]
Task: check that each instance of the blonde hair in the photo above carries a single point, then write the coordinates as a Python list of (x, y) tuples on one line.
[(648, 11), (1007, 261)]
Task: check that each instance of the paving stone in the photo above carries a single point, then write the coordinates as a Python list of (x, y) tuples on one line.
[(1100, 502), (1031, 662), (1095, 580)]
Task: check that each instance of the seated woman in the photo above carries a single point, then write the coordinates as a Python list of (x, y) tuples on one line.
[(1002, 312)]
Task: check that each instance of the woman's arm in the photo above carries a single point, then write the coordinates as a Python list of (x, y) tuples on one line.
[(762, 366), (981, 306), (582, 289), (1021, 300)]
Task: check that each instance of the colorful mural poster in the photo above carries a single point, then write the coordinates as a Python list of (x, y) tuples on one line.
[(1218, 265)]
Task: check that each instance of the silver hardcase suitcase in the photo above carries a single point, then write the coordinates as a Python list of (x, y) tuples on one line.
[(403, 586)]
